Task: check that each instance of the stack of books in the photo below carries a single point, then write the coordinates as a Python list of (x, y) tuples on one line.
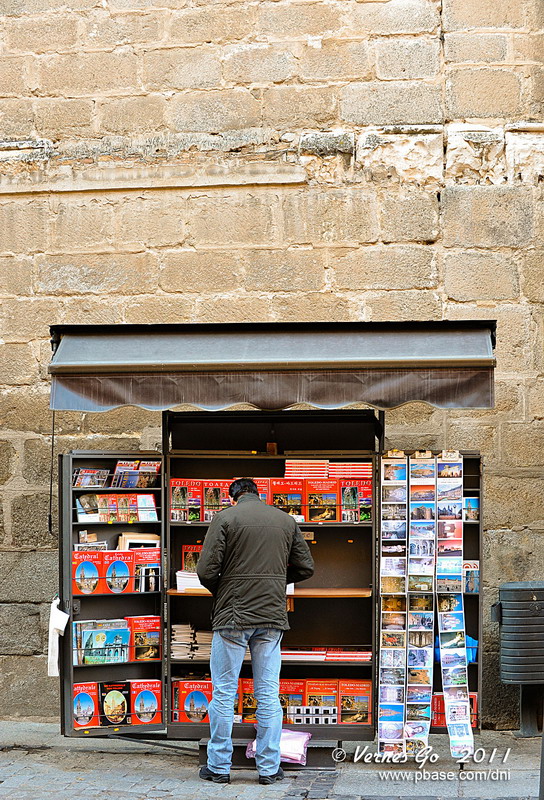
[(306, 468), (202, 647), (187, 580), (348, 469), (181, 644)]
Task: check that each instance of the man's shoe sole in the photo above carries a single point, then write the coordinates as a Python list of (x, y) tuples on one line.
[(266, 780)]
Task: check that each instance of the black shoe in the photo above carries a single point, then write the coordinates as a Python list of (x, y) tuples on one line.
[(265, 780), (217, 777)]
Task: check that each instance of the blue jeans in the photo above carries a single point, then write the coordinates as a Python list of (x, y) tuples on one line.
[(228, 650)]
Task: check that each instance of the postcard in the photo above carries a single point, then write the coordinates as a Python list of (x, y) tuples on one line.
[(451, 621), (421, 566), (449, 489), (453, 658), (453, 640), (393, 639), (398, 549), (421, 621), (391, 712), (394, 511), (392, 676), (449, 510), (390, 730), (471, 509), (450, 547), (420, 583), (418, 711), (393, 603), (394, 493), (450, 469), (449, 566), (450, 529), (414, 728), (394, 470), (422, 530), (421, 547), (422, 470), (420, 676), (457, 712), (392, 657), (450, 602), (454, 676), (390, 747), (392, 585), (420, 657), (420, 638), (422, 492), (455, 693), (394, 526), (448, 583), (423, 511), (395, 566), (419, 694), (422, 602), (459, 730), (391, 694), (393, 621)]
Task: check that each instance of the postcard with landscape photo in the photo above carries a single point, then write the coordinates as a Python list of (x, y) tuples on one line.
[(419, 529), (392, 657), (393, 566), (418, 711), (452, 640), (420, 638), (451, 621), (450, 529), (419, 694), (449, 510), (420, 657), (394, 511), (449, 489), (420, 602), (420, 621), (422, 470), (391, 712), (392, 676), (450, 547), (391, 694), (393, 621), (471, 509), (394, 493), (394, 526), (447, 565), (422, 511), (450, 602), (423, 565), (420, 583), (450, 469), (395, 549), (393, 603), (422, 492), (416, 675), (393, 470)]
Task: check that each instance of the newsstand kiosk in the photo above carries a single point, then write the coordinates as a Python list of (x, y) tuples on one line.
[(134, 658)]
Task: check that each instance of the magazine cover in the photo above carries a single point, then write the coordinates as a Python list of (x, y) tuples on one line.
[(123, 513), (105, 645), (121, 469), (288, 495), (118, 571), (146, 702), (146, 636), (215, 497), (147, 569), (113, 511), (190, 553), (86, 711), (86, 571), (249, 703), (147, 510), (321, 501), (190, 700), (87, 508), (148, 474), (291, 694), (114, 703), (355, 702), (90, 478), (185, 500), (263, 487), (356, 499)]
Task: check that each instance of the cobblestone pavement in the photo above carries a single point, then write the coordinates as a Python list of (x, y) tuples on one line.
[(36, 763)]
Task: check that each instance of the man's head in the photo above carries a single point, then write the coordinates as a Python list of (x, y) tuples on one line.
[(242, 486)]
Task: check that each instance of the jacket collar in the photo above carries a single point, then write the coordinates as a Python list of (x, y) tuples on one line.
[(249, 497)]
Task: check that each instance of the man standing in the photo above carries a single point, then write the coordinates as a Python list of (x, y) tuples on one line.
[(251, 551)]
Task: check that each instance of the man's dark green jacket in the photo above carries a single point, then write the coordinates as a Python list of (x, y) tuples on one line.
[(251, 551)]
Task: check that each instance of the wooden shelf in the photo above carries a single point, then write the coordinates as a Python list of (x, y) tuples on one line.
[(113, 489), (317, 593), (300, 524), (285, 662)]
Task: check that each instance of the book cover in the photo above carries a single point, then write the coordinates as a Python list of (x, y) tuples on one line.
[(190, 700), (215, 496), (148, 474), (120, 469), (321, 500), (249, 703), (287, 494), (114, 702), (291, 694), (438, 711), (105, 645), (86, 571), (132, 508), (355, 702), (147, 510), (86, 710), (87, 508), (190, 553), (147, 569), (128, 479), (103, 507), (356, 499), (118, 571), (122, 507), (263, 487), (90, 478), (321, 693), (88, 624), (113, 511), (185, 500), (146, 702), (146, 638)]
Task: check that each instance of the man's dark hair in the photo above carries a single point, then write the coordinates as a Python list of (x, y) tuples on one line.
[(242, 486)]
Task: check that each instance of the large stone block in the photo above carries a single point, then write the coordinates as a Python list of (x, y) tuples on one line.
[(92, 311), (23, 226), (409, 216), (483, 92), (106, 30), (500, 702), (82, 225), (131, 115), (384, 268), (410, 158), (59, 118), (475, 47), (464, 434), (535, 398), (419, 304), (278, 21), (314, 307), (214, 111), (234, 218), (407, 59), (159, 309), (155, 219), (25, 689), (123, 421), (466, 14), (396, 16), (297, 106), (29, 529), (476, 275), (199, 271), (316, 216), (7, 454), (509, 404), (234, 308), (14, 76), (391, 103), (182, 68), (41, 34), (335, 60), (20, 632), (487, 216), (211, 24), (16, 118), (284, 270), (15, 275), (76, 74), (258, 63), (97, 273), (18, 365), (528, 47), (28, 577), (25, 319), (536, 105), (523, 444), (27, 409)]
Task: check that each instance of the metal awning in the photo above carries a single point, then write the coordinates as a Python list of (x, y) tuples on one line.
[(273, 365)]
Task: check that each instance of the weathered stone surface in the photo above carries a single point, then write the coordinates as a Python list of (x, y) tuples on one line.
[(15, 275), (29, 521), (412, 304), (106, 30), (123, 421), (391, 103), (182, 68), (402, 157), (37, 452), (524, 157), (476, 275), (212, 112), (7, 454), (327, 143), (159, 309), (536, 398), (309, 306), (500, 701), (475, 155), (133, 115), (41, 34), (57, 118), (487, 216), (459, 14), (334, 216), (335, 60), (20, 629), (88, 73), (234, 218), (27, 409), (28, 577), (211, 24), (396, 16), (25, 689), (98, 273), (500, 513), (307, 106), (14, 77), (284, 270), (409, 216), (464, 434), (24, 319), (155, 219), (23, 226), (257, 63), (234, 308), (79, 224), (18, 365), (275, 20), (407, 59), (483, 92), (523, 444), (475, 47), (199, 270), (92, 311), (384, 268), (16, 118)]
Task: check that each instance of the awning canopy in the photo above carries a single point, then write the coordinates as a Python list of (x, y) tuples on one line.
[(273, 365)]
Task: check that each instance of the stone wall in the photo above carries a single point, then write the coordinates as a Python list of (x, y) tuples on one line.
[(192, 160)]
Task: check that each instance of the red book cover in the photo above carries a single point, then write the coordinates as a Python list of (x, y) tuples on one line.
[(249, 704), (321, 693), (87, 571), (356, 499), (291, 694), (190, 700), (190, 554), (215, 494), (118, 571), (122, 507), (103, 507), (185, 500), (438, 713), (147, 569), (355, 702), (146, 702), (133, 508), (86, 712), (113, 513), (263, 487), (145, 638), (288, 495), (321, 502)]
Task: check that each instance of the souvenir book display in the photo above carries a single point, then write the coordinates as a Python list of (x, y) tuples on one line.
[(108, 703), (115, 571)]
